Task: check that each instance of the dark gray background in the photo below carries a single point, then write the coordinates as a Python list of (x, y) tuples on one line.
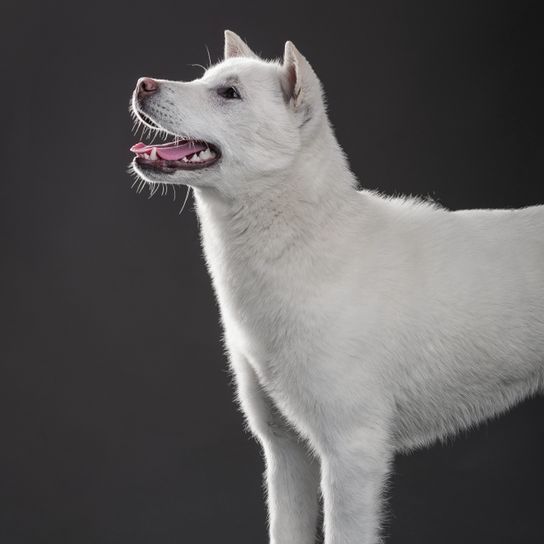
[(117, 424)]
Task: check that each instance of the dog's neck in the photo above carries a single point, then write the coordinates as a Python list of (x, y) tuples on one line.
[(281, 244), (297, 205)]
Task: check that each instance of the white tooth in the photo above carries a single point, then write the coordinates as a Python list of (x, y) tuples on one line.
[(146, 155), (153, 154), (184, 159), (195, 158), (205, 155)]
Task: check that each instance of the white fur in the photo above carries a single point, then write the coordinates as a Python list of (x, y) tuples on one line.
[(357, 325)]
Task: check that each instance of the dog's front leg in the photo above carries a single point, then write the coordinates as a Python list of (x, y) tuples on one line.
[(292, 472), (354, 470)]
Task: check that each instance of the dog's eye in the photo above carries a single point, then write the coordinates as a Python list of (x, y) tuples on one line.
[(229, 93)]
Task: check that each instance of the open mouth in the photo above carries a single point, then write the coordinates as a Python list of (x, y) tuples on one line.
[(176, 155)]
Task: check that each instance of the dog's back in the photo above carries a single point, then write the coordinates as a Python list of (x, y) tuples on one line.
[(468, 315)]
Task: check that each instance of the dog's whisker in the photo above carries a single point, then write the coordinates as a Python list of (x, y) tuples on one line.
[(199, 66), (185, 199)]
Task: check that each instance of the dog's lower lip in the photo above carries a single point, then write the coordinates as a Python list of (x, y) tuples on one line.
[(171, 166)]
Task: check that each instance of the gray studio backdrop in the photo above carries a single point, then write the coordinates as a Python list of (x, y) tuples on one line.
[(117, 422)]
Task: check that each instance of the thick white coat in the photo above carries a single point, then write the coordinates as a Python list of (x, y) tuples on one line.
[(357, 325)]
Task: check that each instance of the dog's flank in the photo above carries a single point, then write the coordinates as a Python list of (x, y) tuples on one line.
[(357, 325)]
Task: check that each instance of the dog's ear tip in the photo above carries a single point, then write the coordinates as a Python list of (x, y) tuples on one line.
[(290, 46), (231, 36), (235, 46), (291, 52)]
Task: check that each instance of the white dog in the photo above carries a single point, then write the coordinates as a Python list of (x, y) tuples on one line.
[(357, 325)]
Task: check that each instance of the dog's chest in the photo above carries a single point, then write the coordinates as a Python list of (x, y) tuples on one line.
[(269, 307), (264, 311)]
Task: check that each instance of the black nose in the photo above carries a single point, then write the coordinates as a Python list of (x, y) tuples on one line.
[(146, 87)]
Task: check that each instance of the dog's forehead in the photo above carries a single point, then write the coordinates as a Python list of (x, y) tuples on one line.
[(241, 69)]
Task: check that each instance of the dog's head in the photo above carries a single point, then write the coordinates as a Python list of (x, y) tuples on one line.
[(245, 119)]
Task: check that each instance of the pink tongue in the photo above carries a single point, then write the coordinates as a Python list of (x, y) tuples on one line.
[(169, 152)]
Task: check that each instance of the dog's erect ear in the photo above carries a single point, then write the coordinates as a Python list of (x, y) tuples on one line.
[(300, 83), (236, 47)]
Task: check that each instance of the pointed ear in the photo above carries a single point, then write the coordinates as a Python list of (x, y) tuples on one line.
[(301, 84), (236, 47)]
